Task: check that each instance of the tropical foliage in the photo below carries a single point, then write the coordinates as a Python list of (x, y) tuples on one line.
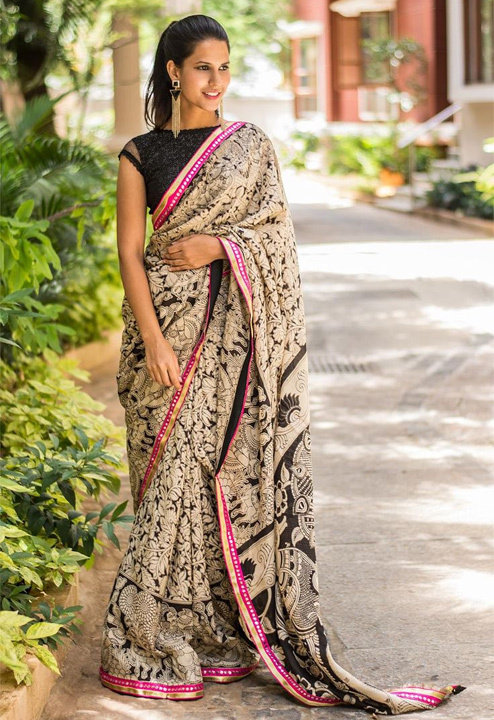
[(56, 452), (59, 457), (59, 273)]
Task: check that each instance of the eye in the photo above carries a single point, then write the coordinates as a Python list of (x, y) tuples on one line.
[(206, 67)]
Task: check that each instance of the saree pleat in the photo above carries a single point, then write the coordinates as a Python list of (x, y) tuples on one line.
[(221, 570)]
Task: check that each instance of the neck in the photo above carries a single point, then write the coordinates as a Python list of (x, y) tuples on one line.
[(194, 117)]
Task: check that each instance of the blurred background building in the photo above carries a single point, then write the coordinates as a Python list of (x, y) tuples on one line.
[(331, 76), (330, 69), (318, 74)]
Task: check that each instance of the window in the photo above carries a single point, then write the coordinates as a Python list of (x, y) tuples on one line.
[(306, 77), (479, 41), (348, 60), (374, 26)]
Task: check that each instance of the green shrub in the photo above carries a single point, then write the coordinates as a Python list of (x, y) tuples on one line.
[(294, 153), (368, 155), (27, 259), (46, 403), (57, 451), (59, 286), (60, 193), (358, 154), (364, 155), (470, 193)]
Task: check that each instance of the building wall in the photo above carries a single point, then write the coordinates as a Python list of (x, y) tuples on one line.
[(318, 10), (424, 20), (476, 125), (345, 45), (477, 115)]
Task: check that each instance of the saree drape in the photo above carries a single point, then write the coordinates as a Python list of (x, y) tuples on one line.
[(220, 570)]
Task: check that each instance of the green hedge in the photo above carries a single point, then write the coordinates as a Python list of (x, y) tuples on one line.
[(59, 287)]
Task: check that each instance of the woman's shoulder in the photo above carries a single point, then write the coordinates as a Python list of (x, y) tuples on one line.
[(140, 148), (256, 137), (142, 140), (254, 130)]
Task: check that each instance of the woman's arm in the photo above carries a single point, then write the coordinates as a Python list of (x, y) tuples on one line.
[(161, 360)]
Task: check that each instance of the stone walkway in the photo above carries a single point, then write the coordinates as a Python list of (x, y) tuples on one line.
[(399, 313)]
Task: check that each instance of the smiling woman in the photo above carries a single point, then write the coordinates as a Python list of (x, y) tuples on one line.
[(220, 570)]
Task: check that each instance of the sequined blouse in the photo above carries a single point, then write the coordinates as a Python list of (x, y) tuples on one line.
[(159, 157)]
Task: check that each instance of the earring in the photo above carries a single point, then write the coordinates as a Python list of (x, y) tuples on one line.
[(222, 119), (175, 93)]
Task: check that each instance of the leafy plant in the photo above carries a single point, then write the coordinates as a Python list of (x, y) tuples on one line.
[(47, 405), (470, 192), (483, 179), (27, 258), (64, 617), (56, 453), (58, 201), (19, 636), (294, 152), (59, 285)]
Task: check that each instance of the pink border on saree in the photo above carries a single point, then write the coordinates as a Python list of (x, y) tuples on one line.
[(138, 688), (229, 548), (220, 674), (173, 194)]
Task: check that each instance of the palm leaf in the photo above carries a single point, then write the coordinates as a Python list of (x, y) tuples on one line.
[(33, 115)]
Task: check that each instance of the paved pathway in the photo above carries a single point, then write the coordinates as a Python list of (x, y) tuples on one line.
[(399, 312)]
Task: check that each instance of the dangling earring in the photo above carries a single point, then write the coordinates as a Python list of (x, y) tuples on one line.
[(175, 93), (222, 119)]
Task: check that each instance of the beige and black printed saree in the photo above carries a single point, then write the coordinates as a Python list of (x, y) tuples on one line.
[(220, 571)]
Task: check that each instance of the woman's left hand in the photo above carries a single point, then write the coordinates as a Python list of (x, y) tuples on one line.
[(193, 251)]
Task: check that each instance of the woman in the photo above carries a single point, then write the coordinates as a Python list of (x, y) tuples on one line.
[(220, 570)]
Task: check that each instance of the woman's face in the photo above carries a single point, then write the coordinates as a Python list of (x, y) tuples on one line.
[(204, 75)]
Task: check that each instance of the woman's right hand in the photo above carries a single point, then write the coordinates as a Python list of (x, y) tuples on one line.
[(162, 363)]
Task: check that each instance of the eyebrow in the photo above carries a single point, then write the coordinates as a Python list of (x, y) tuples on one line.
[(206, 62)]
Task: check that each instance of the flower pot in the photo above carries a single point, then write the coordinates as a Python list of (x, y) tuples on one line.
[(391, 178)]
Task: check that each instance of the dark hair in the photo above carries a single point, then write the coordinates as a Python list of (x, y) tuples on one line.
[(177, 42)]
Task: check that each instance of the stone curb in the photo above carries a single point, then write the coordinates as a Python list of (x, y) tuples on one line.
[(23, 702), (448, 216)]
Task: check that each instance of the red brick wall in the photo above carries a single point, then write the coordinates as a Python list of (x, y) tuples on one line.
[(424, 20), (319, 10)]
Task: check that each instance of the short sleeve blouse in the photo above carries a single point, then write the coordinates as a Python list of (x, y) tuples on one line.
[(159, 157)]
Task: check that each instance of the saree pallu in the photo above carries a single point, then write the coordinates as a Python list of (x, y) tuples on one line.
[(220, 571)]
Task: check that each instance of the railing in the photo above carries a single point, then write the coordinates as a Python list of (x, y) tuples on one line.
[(430, 124), (408, 140)]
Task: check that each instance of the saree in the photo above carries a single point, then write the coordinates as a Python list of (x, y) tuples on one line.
[(220, 572)]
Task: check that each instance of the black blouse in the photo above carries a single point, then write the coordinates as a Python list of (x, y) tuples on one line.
[(159, 157)]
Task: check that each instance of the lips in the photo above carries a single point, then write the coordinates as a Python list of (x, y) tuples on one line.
[(213, 96)]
